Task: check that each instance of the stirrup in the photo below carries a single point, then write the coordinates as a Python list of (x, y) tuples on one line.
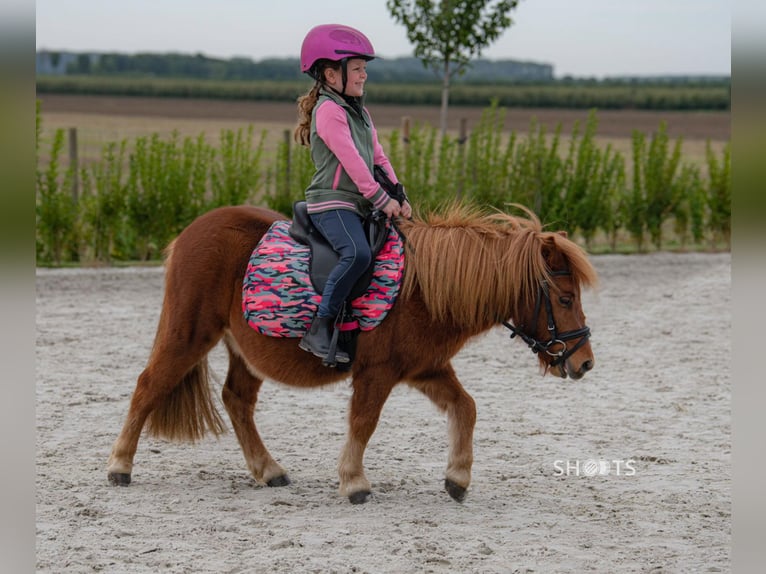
[(332, 358)]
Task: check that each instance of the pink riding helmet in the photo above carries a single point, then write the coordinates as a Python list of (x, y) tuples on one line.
[(334, 42)]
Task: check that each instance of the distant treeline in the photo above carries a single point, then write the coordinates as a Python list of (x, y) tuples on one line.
[(402, 81), (548, 95), (244, 69), (398, 70)]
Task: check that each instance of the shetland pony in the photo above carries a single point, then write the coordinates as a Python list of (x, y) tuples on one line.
[(466, 271)]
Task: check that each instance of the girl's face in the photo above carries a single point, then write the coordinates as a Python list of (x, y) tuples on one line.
[(356, 70)]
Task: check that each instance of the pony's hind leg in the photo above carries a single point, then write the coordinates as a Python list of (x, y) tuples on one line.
[(174, 390), (240, 393), (446, 392)]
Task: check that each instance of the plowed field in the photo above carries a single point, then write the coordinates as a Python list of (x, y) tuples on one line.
[(612, 124)]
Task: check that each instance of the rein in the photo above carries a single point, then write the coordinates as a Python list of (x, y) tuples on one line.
[(543, 296)]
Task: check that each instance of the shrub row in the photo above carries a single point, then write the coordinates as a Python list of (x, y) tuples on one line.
[(586, 190), (141, 193)]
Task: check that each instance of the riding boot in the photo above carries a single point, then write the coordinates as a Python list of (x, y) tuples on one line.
[(318, 340)]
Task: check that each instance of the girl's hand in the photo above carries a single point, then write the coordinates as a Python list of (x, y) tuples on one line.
[(406, 210), (392, 208)]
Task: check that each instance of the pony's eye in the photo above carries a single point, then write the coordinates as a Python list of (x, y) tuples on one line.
[(566, 300)]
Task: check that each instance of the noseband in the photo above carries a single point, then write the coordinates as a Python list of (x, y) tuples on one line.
[(543, 296)]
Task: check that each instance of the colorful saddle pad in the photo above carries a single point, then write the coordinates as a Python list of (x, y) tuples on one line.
[(279, 300)]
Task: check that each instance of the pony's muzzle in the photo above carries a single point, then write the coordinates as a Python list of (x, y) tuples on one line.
[(578, 373)]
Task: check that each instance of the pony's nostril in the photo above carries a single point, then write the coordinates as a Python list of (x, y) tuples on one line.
[(587, 366)]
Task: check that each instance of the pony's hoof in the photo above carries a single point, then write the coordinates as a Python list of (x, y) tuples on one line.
[(360, 497), (281, 480), (456, 491), (119, 478)]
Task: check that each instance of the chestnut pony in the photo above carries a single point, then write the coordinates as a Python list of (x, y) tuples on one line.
[(466, 271)]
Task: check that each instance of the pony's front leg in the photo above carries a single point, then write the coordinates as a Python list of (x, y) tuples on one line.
[(446, 392), (369, 396)]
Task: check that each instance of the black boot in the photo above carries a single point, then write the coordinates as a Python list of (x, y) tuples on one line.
[(318, 340)]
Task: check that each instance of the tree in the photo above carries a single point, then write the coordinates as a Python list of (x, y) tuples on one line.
[(447, 34)]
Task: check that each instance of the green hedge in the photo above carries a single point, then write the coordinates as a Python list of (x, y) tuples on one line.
[(141, 193)]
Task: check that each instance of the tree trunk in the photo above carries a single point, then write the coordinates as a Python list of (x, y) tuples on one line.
[(445, 98)]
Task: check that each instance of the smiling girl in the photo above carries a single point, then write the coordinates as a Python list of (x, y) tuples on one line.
[(337, 126)]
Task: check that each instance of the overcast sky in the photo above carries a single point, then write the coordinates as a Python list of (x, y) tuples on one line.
[(578, 37)]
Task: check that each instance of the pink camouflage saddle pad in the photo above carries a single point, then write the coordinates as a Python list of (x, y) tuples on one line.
[(279, 300)]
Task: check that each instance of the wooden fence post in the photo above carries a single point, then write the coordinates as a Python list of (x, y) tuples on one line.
[(406, 145), (462, 138), (73, 164), (405, 130), (286, 134)]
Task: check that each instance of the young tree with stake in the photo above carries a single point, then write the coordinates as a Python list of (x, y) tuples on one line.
[(447, 34)]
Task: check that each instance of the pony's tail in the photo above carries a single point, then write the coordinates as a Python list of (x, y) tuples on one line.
[(188, 413)]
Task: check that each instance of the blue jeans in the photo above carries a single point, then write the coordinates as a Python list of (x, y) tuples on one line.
[(345, 232)]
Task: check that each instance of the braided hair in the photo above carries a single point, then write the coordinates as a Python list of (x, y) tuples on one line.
[(307, 102)]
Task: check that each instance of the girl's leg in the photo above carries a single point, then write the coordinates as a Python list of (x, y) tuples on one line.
[(345, 232)]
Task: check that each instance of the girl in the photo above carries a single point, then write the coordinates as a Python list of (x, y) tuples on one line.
[(344, 148)]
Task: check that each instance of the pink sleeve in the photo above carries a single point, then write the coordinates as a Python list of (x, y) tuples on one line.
[(332, 127)]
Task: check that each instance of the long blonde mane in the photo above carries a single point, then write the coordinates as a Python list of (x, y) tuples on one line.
[(476, 268)]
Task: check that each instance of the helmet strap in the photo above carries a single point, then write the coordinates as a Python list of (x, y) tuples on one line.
[(318, 75), (344, 74)]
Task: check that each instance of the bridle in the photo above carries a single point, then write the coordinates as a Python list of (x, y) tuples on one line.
[(543, 296)]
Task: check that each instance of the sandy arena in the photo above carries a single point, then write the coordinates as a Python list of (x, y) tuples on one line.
[(655, 414)]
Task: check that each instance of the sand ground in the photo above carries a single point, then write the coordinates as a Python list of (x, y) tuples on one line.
[(656, 411)]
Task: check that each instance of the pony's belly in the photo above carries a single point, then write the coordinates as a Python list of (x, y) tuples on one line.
[(280, 359)]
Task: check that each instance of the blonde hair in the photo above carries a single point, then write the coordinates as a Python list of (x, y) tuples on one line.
[(307, 102)]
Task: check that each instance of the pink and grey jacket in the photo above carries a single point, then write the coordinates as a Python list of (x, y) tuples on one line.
[(344, 149)]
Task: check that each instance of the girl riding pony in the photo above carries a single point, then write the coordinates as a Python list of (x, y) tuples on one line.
[(344, 144)]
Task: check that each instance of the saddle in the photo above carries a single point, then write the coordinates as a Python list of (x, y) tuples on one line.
[(288, 270), (324, 258)]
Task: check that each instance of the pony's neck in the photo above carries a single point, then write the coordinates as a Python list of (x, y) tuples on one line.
[(465, 279)]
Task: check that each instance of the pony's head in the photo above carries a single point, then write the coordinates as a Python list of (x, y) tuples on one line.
[(547, 313), (475, 270)]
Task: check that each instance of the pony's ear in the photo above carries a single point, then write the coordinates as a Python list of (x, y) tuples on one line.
[(563, 234), (547, 247)]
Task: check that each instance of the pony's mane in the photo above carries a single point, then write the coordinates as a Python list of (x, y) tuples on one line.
[(476, 268)]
